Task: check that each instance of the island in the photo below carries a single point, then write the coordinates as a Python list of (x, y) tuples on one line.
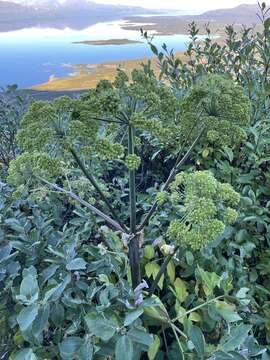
[(108, 42)]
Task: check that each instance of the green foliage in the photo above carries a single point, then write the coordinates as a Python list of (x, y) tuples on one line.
[(171, 261), (13, 105)]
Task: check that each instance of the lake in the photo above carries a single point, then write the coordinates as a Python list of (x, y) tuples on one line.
[(32, 56)]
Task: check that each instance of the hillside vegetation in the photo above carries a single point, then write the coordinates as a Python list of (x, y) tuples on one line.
[(134, 219)]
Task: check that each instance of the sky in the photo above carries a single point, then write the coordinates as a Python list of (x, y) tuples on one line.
[(181, 4), (185, 5)]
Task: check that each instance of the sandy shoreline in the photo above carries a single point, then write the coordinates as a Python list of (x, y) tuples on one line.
[(87, 76)]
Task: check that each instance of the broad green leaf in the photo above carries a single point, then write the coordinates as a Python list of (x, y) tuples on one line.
[(227, 311), (124, 348), (27, 316), (242, 293), (149, 252), (132, 316), (180, 312), (15, 225), (140, 336), (152, 270), (76, 264), (49, 272), (189, 258), (25, 354), (41, 320), (209, 281), (194, 316), (236, 337), (180, 290), (29, 290), (153, 349), (55, 293), (196, 336), (86, 351), (100, 326), (69, 347), (57, 313)]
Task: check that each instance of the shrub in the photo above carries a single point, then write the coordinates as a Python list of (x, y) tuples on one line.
[(144, 210)]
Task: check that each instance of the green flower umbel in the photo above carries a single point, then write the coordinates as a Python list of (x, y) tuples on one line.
[(220, 106), (208, 208)]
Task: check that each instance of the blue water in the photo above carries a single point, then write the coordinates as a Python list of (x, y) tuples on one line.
[(31, 56)]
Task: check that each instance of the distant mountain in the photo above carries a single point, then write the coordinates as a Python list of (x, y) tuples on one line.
[(76, 14), (242, 14)]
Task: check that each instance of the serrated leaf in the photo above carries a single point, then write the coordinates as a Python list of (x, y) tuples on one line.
[(209, 280)]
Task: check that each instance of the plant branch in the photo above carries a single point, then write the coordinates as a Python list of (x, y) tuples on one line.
[(162, 271), (134, 246), (197, 308), (107, 120), (96, 186), (178, 341), (95, 210), (171, 177)]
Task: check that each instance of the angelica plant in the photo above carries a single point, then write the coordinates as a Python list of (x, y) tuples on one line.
[(67, 140)]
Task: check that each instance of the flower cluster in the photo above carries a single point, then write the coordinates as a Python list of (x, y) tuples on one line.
[(208, 208), (26, 166), (132, 162), (161, 197), (108, 150), (220, 106)]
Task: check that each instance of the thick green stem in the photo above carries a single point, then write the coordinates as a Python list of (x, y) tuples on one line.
[(134, 245)]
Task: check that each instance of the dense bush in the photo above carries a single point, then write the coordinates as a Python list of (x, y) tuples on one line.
[(13, 106), (135, 221)]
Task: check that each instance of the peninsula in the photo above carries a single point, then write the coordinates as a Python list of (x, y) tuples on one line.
[(108, 42)]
